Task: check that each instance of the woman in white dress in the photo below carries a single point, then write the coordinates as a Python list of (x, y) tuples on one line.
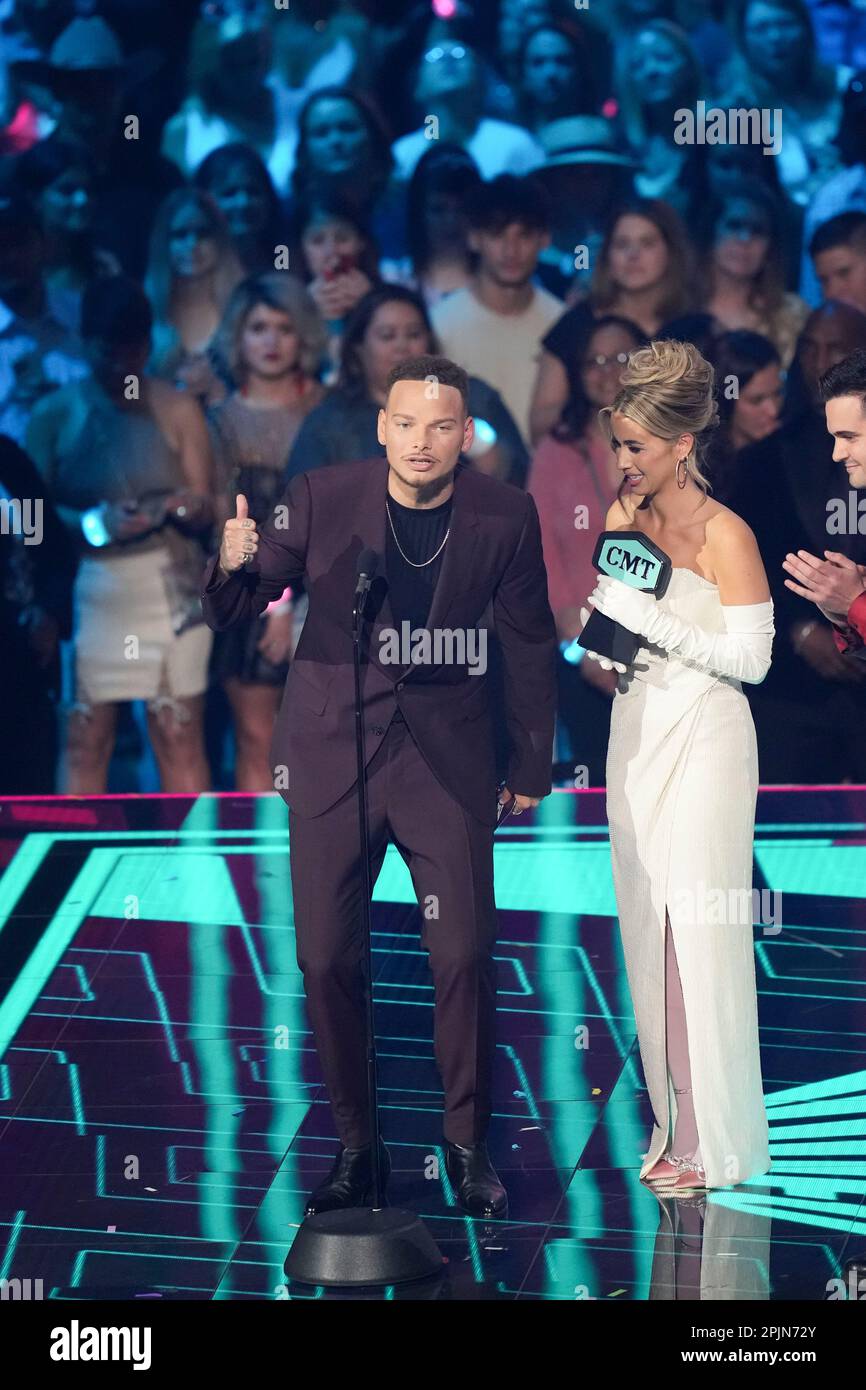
[(682, 779)]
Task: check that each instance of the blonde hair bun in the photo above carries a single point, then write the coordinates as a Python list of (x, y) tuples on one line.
[(670, 389)]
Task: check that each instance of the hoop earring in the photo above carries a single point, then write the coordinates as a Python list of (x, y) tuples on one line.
[(685, 474)]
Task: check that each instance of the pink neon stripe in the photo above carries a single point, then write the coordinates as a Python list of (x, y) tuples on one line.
[(130, 796), (563, 791)]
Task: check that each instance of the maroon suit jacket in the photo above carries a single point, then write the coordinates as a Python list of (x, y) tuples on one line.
[(492, 567)]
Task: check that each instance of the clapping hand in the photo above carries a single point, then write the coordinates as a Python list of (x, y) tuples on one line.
[(833, 584)]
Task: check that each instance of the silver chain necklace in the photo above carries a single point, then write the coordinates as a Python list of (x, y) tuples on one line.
[(414, 565)]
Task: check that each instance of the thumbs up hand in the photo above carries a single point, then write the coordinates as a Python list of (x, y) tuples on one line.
[(240, 539)]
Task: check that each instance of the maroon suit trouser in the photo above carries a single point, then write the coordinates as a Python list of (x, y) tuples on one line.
[(449, 854)]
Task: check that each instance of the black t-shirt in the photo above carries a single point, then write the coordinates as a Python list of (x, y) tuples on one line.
[(420, 531)]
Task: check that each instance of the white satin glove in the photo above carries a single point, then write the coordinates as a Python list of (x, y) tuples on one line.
[(631, 608), (742, 652), (604, 661)]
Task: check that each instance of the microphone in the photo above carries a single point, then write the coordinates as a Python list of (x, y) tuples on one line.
[(368, 563)]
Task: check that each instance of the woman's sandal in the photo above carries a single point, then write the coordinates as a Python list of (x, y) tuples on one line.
[(670, 1173), (681, 1167)]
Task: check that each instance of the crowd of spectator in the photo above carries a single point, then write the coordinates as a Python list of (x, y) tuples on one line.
[(222, 222)]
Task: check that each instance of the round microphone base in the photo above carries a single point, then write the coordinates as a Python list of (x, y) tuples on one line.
[(360, 1246)]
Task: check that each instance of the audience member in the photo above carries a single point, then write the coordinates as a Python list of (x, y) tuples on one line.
[(338, 261), (237, 179), (750, 389), (643, 273), (574, 479), (555, 79), (845, 191), (777, 67), (494, 325), (585, 173), (438, 258), (59, 177), (85, 75), (235, 94), (192, 270), (37, 569), (809, 709), (663, 78), (36, 353), (838, 251), (449, 98), (271, 339), (743, 274), (343, 150), (127, 462)]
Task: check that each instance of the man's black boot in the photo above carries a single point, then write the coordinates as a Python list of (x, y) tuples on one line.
[(350, 1181), (474, 1180)]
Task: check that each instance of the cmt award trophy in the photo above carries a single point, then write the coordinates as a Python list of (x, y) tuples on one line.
[(637, 561)]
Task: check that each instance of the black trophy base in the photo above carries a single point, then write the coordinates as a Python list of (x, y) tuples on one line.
[(361, 1246), (608, 638)]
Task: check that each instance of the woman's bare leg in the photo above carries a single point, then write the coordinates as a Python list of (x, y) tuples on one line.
[(254, 708), (684, 1143), (685, 1140), (88, 743), (176, 733)]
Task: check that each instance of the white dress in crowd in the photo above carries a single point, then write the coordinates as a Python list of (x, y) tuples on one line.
[(682, 779)]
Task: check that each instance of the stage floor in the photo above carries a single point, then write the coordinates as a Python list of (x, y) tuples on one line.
[(162, 1116)]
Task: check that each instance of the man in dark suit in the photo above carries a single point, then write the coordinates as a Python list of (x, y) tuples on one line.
[(808, 712), (837, 584), (459, 551)]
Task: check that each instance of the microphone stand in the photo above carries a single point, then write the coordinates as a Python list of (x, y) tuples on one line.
[(358, 613), (378, 1245)]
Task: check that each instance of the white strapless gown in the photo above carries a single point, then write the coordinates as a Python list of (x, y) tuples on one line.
[(682, 781)]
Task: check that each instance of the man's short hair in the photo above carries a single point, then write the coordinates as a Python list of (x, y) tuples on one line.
[(430, 367), (845, 229), (846, 378), (493, 206)]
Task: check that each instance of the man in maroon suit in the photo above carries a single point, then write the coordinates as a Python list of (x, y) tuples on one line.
[(458, 551)]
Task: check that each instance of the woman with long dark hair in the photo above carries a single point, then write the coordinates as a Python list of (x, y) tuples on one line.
[(237, 178), (344, 150), (743, 273), (555, 77), (59, 177), (660, 77), (337, 258), (750, 391), (437, 229)]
